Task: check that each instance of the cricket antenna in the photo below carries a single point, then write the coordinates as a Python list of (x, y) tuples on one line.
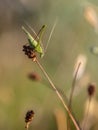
[(52, 30), (31, 29)]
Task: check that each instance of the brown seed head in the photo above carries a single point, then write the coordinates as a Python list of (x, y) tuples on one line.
[(29, 51), (29, 116), (34, 76), (91, 89)]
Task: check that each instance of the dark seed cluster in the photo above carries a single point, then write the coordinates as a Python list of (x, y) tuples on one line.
[(29, 116), (34, 76), (29, 51), (91, 89)]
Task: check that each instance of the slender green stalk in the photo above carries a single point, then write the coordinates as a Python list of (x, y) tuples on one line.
[(59, 95)]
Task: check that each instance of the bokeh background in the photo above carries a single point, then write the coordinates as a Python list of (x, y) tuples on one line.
[(76, 32)]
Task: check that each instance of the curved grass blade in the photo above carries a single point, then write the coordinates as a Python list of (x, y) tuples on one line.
[(52, 30)]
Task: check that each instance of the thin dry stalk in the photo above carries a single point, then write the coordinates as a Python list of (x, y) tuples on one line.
[(91, 92), (71, 94), (73, 85), (59, 95), (87, 112)]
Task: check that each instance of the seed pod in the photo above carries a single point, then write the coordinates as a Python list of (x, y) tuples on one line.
[(29, 51), (29, 117), (91, 89), (34, 76)]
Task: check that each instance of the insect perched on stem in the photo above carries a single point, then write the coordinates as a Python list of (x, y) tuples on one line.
[(35, 43)]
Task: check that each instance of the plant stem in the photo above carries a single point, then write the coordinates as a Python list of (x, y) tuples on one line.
[(87, 113), (73, 86), (71, 94), (59, 95)]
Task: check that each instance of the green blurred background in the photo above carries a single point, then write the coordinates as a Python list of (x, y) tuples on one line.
[(73, 35)]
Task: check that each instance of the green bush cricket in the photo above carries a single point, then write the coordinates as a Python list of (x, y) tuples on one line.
[(36, 44)]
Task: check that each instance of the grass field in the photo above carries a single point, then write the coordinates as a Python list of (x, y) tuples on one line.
[(76, 32)]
